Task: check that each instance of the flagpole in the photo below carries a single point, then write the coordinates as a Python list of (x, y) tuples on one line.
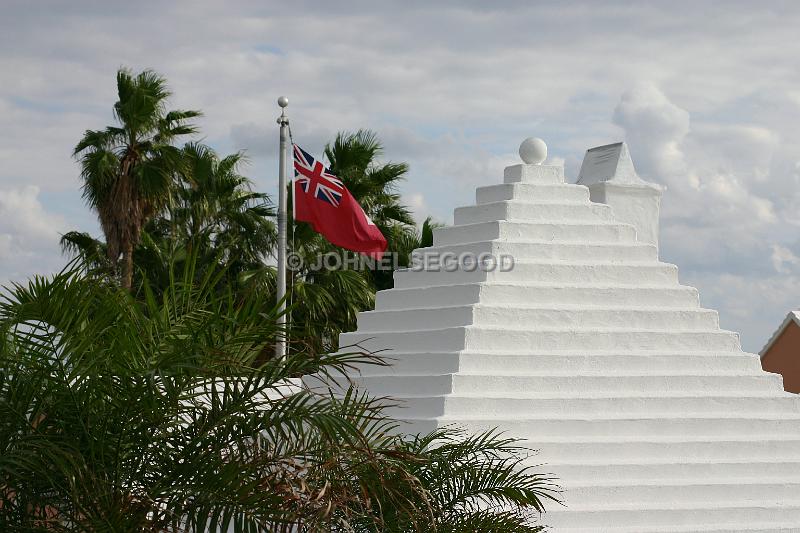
[(283, 121)]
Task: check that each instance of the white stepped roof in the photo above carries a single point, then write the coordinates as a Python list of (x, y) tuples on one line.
[(592, 351)]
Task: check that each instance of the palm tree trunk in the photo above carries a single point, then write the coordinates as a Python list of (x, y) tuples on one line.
[(127, 265)]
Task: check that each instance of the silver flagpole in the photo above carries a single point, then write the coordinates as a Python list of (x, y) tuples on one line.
[(283, 121)]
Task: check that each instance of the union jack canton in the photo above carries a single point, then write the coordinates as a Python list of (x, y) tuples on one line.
[(311, 175)]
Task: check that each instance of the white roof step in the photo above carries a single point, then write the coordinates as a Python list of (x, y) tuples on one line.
[(602, 426), (519, 339), (601, 296), (679, 491), (739, 517), (575, 474), (587, 385), (628, 252), (600, 231), (541, 315), (562, 192), (575, 403), (562, 272), (561, 363), (512, 210)]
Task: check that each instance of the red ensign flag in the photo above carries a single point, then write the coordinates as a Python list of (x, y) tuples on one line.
[(322, 200)]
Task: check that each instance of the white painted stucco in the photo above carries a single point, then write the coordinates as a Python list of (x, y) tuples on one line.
[(592, 351), (609, 173)]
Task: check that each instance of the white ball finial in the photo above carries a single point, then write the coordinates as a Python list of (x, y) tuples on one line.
[(283, 101), (533, 151)]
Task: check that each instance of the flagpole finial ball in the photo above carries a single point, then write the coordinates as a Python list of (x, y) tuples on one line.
[(533, 151), (283, 101)]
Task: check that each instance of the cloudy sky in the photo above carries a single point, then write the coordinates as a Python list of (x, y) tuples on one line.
[(707, 95)]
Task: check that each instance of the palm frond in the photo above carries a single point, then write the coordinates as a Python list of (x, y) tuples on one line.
[(128, 415)]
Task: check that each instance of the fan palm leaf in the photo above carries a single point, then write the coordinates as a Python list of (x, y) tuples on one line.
[(127, 170)]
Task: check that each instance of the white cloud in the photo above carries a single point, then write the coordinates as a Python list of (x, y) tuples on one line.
[(22, 215), (716, 122), (655, 129), (28, 234), (783, 258), (418, 205)]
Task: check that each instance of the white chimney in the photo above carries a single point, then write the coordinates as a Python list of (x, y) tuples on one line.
[(609, 174)]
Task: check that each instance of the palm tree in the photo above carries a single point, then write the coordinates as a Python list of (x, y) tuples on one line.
[(128, 168), (119, 414), (480, 482), (214, 205), (353, 157), (214, 213)]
